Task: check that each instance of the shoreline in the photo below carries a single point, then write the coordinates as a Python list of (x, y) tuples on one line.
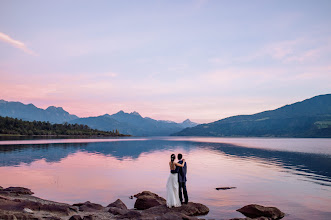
[(63, 135), (19, 203)]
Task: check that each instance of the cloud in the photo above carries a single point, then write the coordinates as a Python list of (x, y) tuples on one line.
[(15, 43), (300, 50), (109, 74)]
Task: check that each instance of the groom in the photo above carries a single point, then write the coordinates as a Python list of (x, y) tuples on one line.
[(182, 180)]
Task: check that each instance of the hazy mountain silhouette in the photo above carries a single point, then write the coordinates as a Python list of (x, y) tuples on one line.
[(32, 113), (188, 123), (133, 123), (126, 123), (309, 118)]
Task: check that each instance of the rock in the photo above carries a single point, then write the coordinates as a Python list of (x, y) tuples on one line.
[(3, 198), (144, 193), (259, 218), (132, 214), (193, 209), (52, 218), (8, 217), (10, 205), (18, 216), (88, 206), (89, 217), (2, 192), (1, 187), (63, 209), (146, 200), (118, 204), (255, 211), (75, 217), (28, 206), (225, 188), (175, 216), (19, 190), (190, 209), (27, 210), (117, 211)]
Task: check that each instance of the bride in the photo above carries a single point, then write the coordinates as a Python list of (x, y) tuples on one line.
[(172, 184)]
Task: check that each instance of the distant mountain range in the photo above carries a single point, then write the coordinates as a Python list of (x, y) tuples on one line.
[(32, 113), (126, 123), (309, 118), (134, 124)]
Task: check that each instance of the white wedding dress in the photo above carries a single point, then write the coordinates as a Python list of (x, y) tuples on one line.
[(172, 191)]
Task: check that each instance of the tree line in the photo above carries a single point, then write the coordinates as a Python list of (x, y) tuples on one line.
[(14, 126)]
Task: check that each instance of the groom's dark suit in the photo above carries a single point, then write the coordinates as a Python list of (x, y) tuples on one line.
[(182, 182)]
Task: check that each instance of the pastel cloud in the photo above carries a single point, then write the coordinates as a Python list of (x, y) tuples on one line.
[(299, 50), (15, 43)]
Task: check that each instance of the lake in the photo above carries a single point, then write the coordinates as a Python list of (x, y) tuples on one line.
[(291, 174)]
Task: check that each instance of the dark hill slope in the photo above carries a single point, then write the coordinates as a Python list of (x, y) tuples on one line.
[(14, 126), (309, 118)]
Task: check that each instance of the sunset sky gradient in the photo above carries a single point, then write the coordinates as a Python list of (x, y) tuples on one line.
[(169, 60)]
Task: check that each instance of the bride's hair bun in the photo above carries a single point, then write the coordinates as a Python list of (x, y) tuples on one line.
[(173, 157)]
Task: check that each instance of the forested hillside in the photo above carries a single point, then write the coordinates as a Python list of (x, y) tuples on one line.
[(13, 126)]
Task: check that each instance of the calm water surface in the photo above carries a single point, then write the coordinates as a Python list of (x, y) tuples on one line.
[(291, 174)]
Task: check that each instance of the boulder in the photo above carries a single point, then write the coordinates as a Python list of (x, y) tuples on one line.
[(117, 211), (16, 216), (193, 209), (10, 205), (89, 217), (132, 214), (256, 211), (259, 218), (58, 208), (174, 216), (2, 192), (190, 209), (8, 217), (52, 218), (118, 204), (146, 193), (146, 200), (88, 206), (3, 198), (76, 217), (19, 190)]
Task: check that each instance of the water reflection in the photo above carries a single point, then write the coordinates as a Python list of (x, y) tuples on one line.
[(315, 166), (298, 183)]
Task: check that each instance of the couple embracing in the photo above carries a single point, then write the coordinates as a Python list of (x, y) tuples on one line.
[(176, 184)]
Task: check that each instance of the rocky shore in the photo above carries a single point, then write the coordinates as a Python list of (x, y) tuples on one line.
[(19, 203)]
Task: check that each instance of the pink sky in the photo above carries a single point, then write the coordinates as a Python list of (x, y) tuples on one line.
[(202, 60)]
